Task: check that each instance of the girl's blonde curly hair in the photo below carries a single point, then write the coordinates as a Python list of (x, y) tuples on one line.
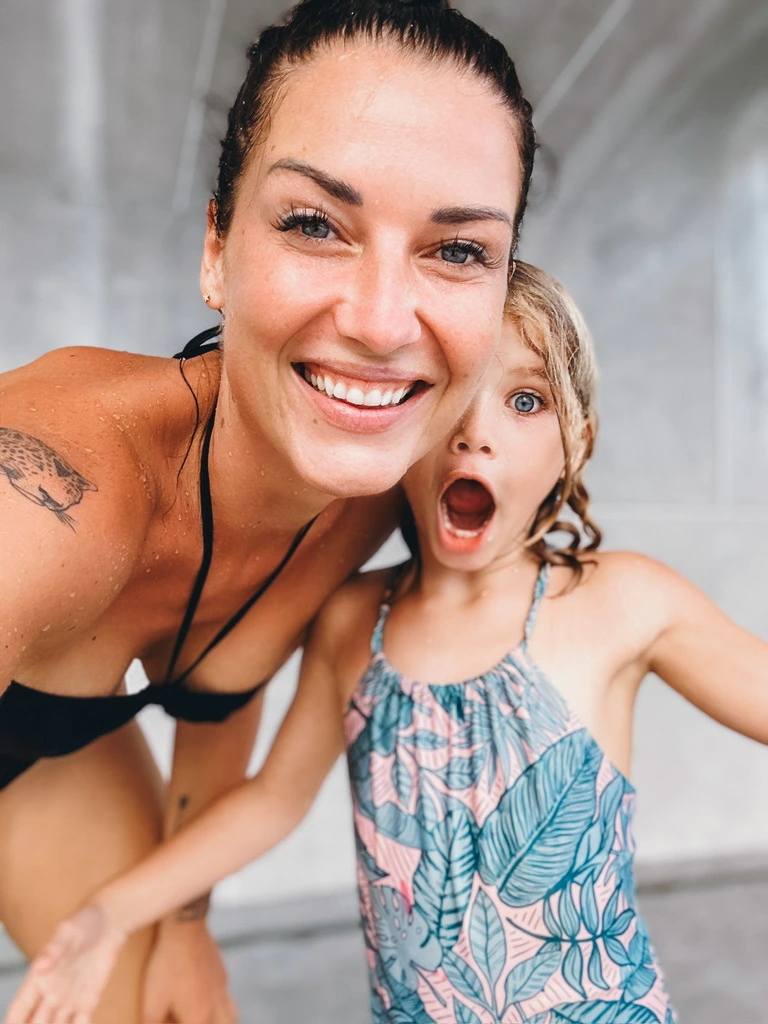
[(549, 322)]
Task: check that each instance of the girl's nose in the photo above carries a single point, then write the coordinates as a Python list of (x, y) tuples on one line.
[(380, 310), (472, 436)]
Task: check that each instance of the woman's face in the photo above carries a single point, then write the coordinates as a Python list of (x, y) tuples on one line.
[(364, 274), (475, 496)]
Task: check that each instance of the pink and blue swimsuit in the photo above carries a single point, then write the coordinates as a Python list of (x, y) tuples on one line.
[(495, 853)]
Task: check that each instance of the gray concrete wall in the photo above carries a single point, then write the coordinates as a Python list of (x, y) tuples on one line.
[(650, 203)]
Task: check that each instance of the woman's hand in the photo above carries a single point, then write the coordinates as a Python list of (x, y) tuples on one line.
[(186, 980), (66, 979)]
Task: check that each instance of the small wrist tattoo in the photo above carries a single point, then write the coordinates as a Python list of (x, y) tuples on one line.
[(196, 910)]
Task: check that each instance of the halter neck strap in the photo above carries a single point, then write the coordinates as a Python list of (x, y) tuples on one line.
[(538, 594), (206, 516), (205, 341)]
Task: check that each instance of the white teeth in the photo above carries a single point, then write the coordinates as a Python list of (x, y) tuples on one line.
[(356, 396)]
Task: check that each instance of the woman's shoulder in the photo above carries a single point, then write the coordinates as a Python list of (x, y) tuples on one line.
[(71, 437)]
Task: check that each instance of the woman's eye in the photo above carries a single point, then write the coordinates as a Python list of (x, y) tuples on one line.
[(311, 225), (462, 253), (526, 403)]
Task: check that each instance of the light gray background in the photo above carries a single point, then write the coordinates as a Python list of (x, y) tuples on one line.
[(651, 204)]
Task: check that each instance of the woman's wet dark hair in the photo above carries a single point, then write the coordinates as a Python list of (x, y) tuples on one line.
[(430, 28)]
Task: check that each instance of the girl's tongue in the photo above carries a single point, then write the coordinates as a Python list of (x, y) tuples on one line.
[(468, 506)]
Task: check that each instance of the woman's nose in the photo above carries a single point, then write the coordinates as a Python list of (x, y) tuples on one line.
[(380, 310)]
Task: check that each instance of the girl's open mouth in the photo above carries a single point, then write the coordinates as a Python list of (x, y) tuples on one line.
[(466, 510)]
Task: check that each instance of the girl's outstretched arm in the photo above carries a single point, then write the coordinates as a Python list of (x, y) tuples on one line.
[(701, 653), (66, 980)]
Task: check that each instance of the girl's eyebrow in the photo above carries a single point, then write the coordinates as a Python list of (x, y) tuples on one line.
[(529, 371), (335, 187)]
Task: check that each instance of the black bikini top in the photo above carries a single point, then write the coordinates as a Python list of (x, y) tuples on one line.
[(35, 724)]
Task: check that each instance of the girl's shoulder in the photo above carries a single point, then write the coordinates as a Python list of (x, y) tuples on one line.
[(630, 593), (345, 624)]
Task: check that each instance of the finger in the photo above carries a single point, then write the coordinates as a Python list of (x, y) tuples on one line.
[(48, 1010), (228, 1013), (24, 1006)]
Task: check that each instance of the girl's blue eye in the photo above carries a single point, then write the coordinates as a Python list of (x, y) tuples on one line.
[(526, 403)]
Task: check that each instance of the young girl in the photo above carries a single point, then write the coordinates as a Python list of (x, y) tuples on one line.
[(493, 815)]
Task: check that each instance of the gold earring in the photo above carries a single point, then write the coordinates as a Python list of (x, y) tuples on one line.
[(207, 298)]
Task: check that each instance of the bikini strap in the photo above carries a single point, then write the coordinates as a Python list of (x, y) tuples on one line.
[(395, 579), (538, 594), (377, 637), (201, 343), (206, 516)]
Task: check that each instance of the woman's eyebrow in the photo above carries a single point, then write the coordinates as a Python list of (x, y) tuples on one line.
[(336, 188), (464, 214)]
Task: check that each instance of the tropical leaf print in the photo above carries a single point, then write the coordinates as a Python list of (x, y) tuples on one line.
[(602, 1013), (486, 938), (406, 1006), (397, 824), (404, 941), (464, 978), (464, 1015), (442, 884), (402, 781), (528, 844), (366, 861), (505, 874), (595, 969), (530, 978), (589, 912), (573, 968)]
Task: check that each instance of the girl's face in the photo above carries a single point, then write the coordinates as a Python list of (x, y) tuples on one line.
[(364, 274), (475, 496)]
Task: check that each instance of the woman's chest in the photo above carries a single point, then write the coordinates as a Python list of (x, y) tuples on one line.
[(245, 617)]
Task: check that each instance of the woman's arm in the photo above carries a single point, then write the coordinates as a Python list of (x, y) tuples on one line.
[(701, 653), (69, 975)]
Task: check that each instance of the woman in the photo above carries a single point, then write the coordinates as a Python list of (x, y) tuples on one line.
[(372, 184)]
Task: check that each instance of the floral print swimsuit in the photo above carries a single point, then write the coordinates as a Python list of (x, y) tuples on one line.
[(495, 853)]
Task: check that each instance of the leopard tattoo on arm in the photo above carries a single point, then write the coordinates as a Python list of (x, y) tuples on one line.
[(41, 475)]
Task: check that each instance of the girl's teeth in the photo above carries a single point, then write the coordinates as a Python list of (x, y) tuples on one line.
[(313, 379), (340, 391), (386, 398), (398, 396), (328, 385), (373, 398), (355, 396)]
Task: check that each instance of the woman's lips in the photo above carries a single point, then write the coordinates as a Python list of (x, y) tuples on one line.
[(371, 394), (360, 417)]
